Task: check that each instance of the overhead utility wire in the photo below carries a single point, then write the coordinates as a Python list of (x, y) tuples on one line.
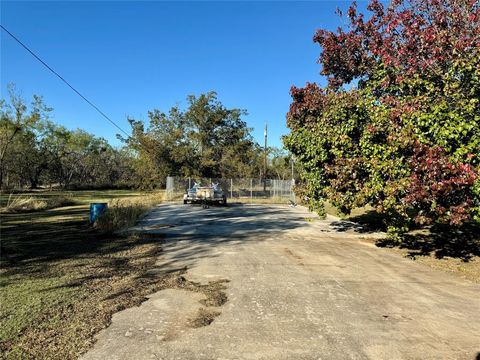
[(65, 81)]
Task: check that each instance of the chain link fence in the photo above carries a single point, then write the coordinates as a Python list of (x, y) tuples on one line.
[(241, 190)]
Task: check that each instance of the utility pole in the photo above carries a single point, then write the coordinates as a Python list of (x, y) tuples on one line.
[(265, 160), (291, 161), (292, 184)]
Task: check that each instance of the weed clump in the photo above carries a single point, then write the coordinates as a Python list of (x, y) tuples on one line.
[(123, 213)]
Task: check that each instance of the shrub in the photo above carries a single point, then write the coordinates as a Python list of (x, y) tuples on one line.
[(440, 190), (406, 138)]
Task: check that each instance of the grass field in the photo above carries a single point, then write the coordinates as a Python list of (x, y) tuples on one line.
[(61, 279)]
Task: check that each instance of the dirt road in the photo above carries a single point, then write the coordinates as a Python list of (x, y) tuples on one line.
[(298, 289)]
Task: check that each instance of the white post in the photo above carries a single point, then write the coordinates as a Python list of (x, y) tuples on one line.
[(231, 188)]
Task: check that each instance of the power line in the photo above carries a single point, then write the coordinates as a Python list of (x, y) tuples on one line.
[(65, 81)]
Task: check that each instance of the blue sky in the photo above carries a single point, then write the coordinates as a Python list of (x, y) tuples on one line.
[(131, 57)]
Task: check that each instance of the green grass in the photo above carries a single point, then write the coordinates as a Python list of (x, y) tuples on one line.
[(61, 279), (25, 299)]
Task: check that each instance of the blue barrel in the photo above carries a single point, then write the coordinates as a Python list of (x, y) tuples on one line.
[(97, 209)]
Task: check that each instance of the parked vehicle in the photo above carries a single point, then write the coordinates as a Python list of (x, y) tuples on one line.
[(212, 194)]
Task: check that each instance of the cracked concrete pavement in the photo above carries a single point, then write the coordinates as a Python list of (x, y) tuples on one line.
[(297, 289)]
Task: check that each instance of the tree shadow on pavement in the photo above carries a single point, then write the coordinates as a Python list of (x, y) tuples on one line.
[(64, 234), (440, 240), (196, 233), (368, 222)]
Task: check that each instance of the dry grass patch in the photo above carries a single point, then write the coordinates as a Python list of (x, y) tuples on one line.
[(27, 203), (125, 212), (215, 297)]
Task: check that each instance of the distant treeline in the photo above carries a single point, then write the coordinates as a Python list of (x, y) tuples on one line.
[(205, 140)]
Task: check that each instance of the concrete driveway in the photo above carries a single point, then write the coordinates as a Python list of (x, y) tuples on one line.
[(297, 289)]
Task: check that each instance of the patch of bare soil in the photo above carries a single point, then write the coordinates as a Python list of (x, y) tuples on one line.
[(204, 317), (213, 290), (215, 297)]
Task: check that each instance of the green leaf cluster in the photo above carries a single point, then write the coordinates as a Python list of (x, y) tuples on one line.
[(356, 147)]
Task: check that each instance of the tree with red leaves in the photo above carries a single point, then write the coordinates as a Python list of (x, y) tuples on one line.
[(406, 138)]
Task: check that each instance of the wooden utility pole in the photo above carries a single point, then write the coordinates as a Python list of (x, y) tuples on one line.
[(265, 161), (291, 160)]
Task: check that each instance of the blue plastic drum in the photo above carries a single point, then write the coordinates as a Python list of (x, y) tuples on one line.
[(97, 209)]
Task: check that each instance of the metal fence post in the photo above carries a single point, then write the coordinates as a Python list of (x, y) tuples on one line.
[(231, 188)]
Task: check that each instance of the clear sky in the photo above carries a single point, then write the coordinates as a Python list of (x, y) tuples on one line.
[(131, 57)]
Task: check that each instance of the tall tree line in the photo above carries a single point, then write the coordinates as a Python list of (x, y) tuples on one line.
[(204, 140), (35, 151)]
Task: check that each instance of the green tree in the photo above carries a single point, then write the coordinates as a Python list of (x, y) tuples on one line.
[(406, 138), (281, 164), (19, 126), (205, 140)]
